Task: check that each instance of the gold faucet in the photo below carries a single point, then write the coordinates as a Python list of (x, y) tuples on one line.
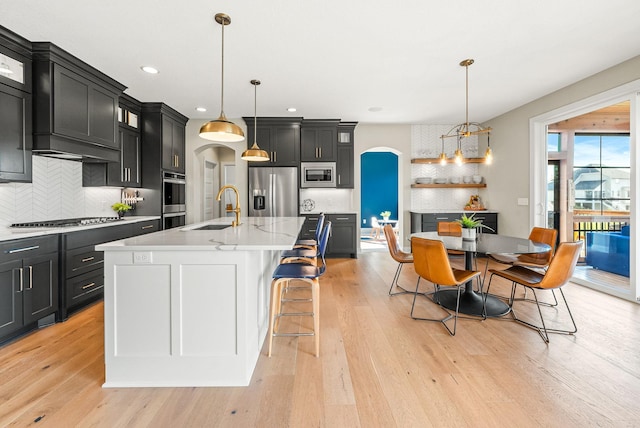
[(236, 210)]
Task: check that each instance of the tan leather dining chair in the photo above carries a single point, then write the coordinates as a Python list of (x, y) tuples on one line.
[(535, 260), (450, 228), (399, 256), (558, 274), (431, 262)]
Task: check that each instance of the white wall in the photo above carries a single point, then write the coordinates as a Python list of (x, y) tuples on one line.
[(398, 139), (510, 175)]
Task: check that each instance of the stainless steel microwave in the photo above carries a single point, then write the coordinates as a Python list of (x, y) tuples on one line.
[(317, 174)]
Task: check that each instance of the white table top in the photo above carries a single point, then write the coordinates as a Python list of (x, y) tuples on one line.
[(254, 233)]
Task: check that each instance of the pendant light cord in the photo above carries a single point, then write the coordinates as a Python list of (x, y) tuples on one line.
[(255, 111), (222, 74)]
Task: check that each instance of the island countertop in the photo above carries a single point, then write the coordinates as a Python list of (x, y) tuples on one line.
[(254, 233)]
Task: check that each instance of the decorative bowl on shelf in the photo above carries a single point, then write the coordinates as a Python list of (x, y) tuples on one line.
[(440, 181), (467, 179), (454, 180), (477, 179), (424, 180)]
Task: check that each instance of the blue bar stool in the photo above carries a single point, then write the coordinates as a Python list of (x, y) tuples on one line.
[(302, 271), (311, 244)]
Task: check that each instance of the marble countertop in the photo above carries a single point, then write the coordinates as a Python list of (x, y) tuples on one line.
[(8, 233), (254, 233)]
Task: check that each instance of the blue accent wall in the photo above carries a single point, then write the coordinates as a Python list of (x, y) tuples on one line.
[(379, 185)]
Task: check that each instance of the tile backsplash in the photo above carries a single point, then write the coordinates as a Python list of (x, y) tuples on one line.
[(55, 192), (426, 143), (327, 200)]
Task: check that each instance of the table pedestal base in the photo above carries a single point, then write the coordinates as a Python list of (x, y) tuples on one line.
[(471, 303)]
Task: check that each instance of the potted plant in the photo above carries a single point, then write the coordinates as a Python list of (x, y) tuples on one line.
[(385, 215), (120, 208), (469, 226)]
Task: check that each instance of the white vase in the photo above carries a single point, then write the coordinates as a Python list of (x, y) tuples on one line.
[(468, 234)]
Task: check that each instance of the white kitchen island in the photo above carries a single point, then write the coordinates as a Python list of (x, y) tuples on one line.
[(186, 307)]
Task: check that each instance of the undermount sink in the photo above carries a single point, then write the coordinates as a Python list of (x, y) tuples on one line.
[(212, 227)]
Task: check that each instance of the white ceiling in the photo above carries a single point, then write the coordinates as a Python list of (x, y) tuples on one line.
[(338, 59)]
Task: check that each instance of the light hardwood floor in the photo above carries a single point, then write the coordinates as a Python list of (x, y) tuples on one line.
[(378, 368)]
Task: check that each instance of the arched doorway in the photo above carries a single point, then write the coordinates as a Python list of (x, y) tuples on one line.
[(379, 191)]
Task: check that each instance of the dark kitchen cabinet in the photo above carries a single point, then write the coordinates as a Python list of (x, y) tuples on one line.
[(82, 267), (163, 139), (319, 140), (126, 171), (345, 162), (15, 108), (279, 137), (28, 283), (15, 135), (75, 107), (342, 241), (428, 222)]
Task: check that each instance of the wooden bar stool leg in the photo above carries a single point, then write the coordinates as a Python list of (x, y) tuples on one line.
[(315, 294), (276, 289)]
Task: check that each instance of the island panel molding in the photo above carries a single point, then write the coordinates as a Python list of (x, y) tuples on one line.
[(188, 307)]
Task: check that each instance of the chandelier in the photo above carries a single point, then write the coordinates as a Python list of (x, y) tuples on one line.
[(466, 129)]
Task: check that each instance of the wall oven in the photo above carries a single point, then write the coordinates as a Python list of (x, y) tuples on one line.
[(174, 193), (171, 220), (317, 174)]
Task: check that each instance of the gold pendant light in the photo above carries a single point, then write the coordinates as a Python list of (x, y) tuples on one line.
[(466, 129), (221, 129), (255, 154)]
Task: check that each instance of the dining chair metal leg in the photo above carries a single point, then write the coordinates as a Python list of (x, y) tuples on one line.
[(440, 320)]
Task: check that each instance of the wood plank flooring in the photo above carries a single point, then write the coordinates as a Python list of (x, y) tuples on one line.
[(377, 368)]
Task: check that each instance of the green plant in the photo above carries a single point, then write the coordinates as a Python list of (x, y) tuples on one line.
[(385, 214), (470, 222), (119, 207)]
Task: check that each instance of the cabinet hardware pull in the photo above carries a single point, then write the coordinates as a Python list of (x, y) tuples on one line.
[(275, 156), (21, 280), (84, 287), (19, 250), (338, 179), (30, 277), (320, 148), (442, 218), (88, 259), (342, 218), (147, 227)]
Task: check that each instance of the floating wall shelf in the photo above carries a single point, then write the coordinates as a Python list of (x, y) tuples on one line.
[(449, 161), (441, 186)]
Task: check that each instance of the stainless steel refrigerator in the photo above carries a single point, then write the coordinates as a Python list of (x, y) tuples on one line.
[(273, 192)]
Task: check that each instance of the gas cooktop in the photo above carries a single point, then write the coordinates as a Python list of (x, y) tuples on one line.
[(66, 222)]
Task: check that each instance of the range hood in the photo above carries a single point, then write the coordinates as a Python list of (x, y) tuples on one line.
[(54, 146)]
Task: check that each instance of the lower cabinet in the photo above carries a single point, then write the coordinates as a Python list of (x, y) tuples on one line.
[(342, 241), (428, 222), (28, 283), (82, 273)]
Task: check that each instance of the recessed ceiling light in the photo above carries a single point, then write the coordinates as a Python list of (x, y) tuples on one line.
[(375, 109), (201, 109), (292, 109), (149, 69)]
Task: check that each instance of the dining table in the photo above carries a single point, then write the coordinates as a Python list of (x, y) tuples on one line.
[(472, 302)]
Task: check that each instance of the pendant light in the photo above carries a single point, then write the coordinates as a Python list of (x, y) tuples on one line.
[(221, 129), (255, 154), (467, 129)]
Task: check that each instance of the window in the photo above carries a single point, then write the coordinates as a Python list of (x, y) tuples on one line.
[(554, 142), (601, 174)]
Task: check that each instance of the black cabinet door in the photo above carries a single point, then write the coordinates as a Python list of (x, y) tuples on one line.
[(318, 143), (342, 242), (127, 171), (10, 297), (279, 137), (344, 166), (15, 134), (40, 286), (173, 141), (82, 110)]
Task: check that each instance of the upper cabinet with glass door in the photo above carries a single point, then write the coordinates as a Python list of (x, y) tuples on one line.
[(16, 139)]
